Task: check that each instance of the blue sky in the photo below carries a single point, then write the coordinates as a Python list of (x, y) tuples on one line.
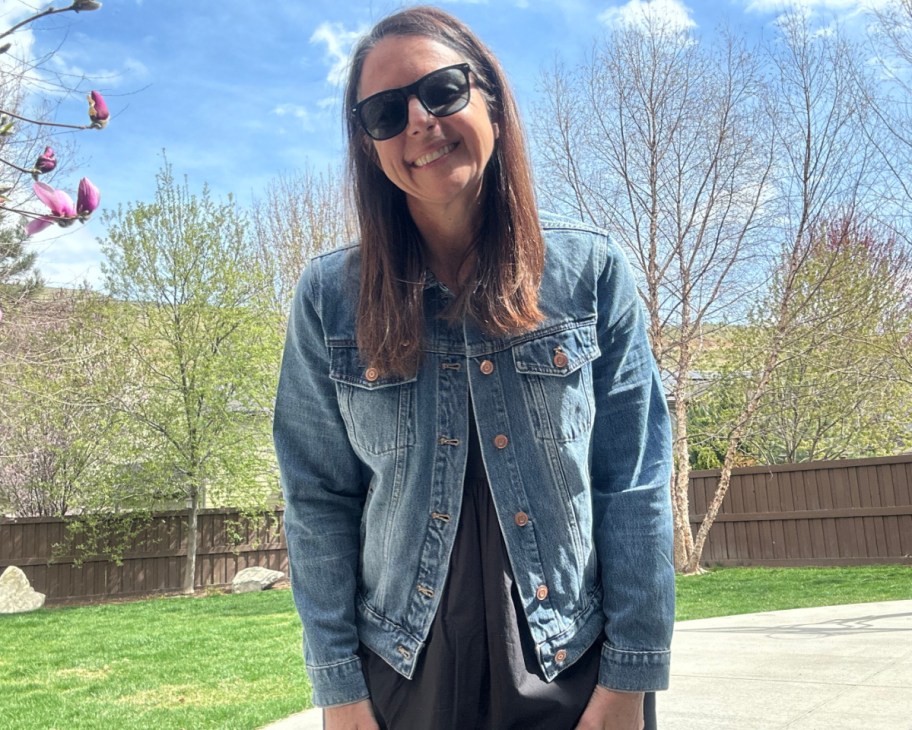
[(239, 91)]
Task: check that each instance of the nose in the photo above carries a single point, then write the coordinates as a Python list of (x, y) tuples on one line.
[(419, 118)]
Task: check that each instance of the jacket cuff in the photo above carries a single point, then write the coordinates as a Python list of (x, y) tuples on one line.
[(338, 684), (634, 671)]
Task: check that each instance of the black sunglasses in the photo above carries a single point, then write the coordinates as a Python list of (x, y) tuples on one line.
[(442, 92)]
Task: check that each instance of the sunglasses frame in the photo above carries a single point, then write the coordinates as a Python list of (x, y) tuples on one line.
[(406, 92)]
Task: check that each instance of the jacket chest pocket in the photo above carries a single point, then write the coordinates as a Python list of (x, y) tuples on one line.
[(556, 375), (377, 410)]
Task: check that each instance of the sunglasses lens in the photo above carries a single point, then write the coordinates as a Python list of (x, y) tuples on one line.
[(445, 92), (384, 115)]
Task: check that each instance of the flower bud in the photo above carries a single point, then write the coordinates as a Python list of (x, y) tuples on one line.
[(98, 110), (87, 199), (46, 162)]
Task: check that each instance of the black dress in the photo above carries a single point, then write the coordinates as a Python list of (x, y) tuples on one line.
[(478, 670)]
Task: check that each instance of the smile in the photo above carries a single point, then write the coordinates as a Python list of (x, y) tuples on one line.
[(435, 155)]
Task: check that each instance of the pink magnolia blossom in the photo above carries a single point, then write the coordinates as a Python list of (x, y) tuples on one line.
[(63, 212), (87, 199), (46, 161), (98, 110), (59, 202)]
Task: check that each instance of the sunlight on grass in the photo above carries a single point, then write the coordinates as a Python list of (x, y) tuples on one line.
[(92, 675)]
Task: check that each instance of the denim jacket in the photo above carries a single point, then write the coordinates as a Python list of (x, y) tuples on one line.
[(575, 440)]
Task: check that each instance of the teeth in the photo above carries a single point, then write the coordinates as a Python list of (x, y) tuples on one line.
[(427, 159)]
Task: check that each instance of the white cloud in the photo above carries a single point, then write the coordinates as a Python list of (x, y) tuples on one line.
[(16, 60), (66, 67), (338, 45), (69, 256), (674, 13), (295, 111)]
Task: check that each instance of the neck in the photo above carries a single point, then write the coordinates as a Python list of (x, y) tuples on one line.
[(448, 238)]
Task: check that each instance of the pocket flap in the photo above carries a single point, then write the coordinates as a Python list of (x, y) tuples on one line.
[(558, 353), (345, 366)]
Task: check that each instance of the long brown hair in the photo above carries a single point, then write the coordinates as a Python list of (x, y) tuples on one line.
[(503, 296)]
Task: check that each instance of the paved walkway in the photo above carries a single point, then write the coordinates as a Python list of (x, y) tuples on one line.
[(832, 668)]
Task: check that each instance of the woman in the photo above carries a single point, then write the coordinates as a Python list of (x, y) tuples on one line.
[(472, 436)]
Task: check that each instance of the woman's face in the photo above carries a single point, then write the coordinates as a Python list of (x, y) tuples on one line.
[(438, 162)]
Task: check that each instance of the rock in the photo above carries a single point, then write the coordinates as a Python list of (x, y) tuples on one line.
[(255, 579), (17, 594)]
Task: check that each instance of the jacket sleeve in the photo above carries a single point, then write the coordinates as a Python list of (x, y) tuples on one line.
[(324, 490), (631, 476)]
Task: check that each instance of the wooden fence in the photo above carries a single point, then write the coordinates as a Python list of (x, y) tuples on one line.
[(821, 513), (154, 561), (851, 512)]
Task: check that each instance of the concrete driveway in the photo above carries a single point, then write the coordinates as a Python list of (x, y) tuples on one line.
[(831, 668)]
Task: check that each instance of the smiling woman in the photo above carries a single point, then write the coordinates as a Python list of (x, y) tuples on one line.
[(471, 431)]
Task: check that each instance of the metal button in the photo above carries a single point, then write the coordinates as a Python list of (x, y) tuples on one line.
[(501, 441), (560, 359), (371, 374), (486, 367), (560, 656), (521, 519), (542, 592)]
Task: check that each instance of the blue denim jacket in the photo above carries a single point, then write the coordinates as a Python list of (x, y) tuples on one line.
[(575, 439)]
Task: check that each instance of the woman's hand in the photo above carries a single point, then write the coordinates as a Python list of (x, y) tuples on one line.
[(355, 716), (609, 710)]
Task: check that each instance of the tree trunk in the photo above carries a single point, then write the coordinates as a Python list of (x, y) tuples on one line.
[(680, 502), (192, 540)]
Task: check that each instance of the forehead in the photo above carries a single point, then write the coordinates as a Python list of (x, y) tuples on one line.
[(399, 60)]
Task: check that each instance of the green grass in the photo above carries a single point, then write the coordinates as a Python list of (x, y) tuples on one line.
[(222, 661), (727, 591), (228, 661)]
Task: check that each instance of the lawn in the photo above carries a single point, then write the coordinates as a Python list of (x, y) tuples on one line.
[(724, 592), (225, 661), (221, 661)]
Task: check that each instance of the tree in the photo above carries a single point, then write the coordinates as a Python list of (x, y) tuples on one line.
[(198, 339), (57, 433), (826, 163), (302, 214), (840, 398), (838, 390), (655, 139), (713, 168), (22, 136), (18, 277), (891, 46)]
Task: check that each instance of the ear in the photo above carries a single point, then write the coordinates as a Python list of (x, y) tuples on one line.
[(496, 128)]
